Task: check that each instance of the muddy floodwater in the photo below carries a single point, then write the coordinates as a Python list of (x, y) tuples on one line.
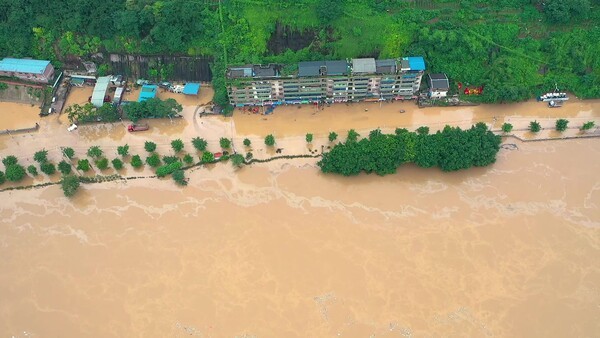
[(281, 250)]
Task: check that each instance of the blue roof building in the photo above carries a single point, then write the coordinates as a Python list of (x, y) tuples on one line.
[(191, 89), (27, 69), (148, 92)]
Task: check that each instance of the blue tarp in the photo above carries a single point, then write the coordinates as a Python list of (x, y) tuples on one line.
[(191, 88), (147, 92), (416, 63), (23, 65)]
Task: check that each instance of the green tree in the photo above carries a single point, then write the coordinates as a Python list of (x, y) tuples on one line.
[(424, 130), (535, 126), (247, 142), (94, 152), (333, 136), (309, 138), (199, 143), (136, 161), (179, 177), (117, 164), (588, 125), (150, 146), (237, 160), (69, 152), (123, 150), (69, 184), (64, 167), (48, 168), (170, 159), (207, 157), (83, 165), (41, 156), (167, 169), (32, 170), (352, 136), (270, 140), (9, 160), (177, 145), (2, 178), (188, 159), (507, 127), (15, 172), (225, 143), (561, 125), (153, 160), (102, 163)]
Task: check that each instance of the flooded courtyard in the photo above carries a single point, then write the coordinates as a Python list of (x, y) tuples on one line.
[(281, 250)]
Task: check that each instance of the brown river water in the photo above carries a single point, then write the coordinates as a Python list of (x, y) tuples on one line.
[(281, 250)]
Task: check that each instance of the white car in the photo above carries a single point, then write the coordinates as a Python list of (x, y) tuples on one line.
[(72, 127)]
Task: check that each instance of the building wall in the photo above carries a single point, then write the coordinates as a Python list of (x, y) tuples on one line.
[(438, 94), (45, 77), (329, 89)]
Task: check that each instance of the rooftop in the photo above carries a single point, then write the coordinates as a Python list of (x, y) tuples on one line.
[(387, 66), (438, 81), (322, 68), (364, 66), (191, 88), (23, 65), (415, 62), (100, 90), (147, 92)]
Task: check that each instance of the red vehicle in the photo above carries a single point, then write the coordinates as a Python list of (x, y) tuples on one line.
[(137, 127), (218, 156)]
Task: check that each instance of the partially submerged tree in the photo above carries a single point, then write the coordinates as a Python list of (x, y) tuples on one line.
[(32, 170), (309, 138), (207, 156), (117, 164), (41, 156), (153, 160), (94, 152), (225, 143), (177, 145), (150, 146), (83, 165), (588, 125), (136, 161), (507, 127), (179, 177), (333, 136), (270, 140), (123, 150), (8, 160), (64, 167), (68, 152), (561, 125), (48, 168), (535, 126), (423, 130), (15, 172), (199, 143), (69, 184), (247, 142), (102, 163), (188, 159), (237, 160)]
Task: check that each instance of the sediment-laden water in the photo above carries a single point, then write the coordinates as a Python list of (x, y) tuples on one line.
[(280, 250)]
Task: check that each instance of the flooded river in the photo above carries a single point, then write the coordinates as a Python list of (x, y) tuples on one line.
[(281, 250)]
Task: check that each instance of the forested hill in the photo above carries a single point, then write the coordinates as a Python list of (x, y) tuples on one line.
[(516, 48)]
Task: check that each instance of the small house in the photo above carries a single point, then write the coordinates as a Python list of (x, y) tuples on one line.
[(99, 96), (438, 85), (191, 89), (27, 69)]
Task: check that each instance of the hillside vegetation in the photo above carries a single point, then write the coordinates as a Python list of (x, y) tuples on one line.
[(515, 48)]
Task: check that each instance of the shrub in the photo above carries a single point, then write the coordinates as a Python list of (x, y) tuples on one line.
[(83, 165), (561, 125), (424, 130), (309, 138), (177, 145), (225, 143), (123, 150), (249, 156), (94, 152), (188, 159), (333, 136), (179, 177), (102, 163), (270, 140), (136, 161), (64, 167), (237, 160), (32, 170), (117, 164), (199, 143), (535, 126), (153, 160), (2, 177), (247, 142), (68, 152), (588, 125), (69, 184), (167, 169), (150, 146), (41, 156), (207, 156), (170, 159), (9, 160), (15, 172), (507, 127), (48, 168)]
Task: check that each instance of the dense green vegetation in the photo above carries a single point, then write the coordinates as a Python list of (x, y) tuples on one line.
[(123, 150), (69, 185), (450, 149), (562, 124), (68, 152), (177, 145), (515, 48), (199, 143), (150, 146), (88, 113), (270, 140), (117, 164), (151, 108)]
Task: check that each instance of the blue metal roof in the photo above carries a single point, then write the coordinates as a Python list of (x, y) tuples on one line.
[(416, 62), (23, 65), (147, 92), (191, 88)]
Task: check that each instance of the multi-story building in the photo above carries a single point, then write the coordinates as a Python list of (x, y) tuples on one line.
[(27, 69), (326, 81)]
